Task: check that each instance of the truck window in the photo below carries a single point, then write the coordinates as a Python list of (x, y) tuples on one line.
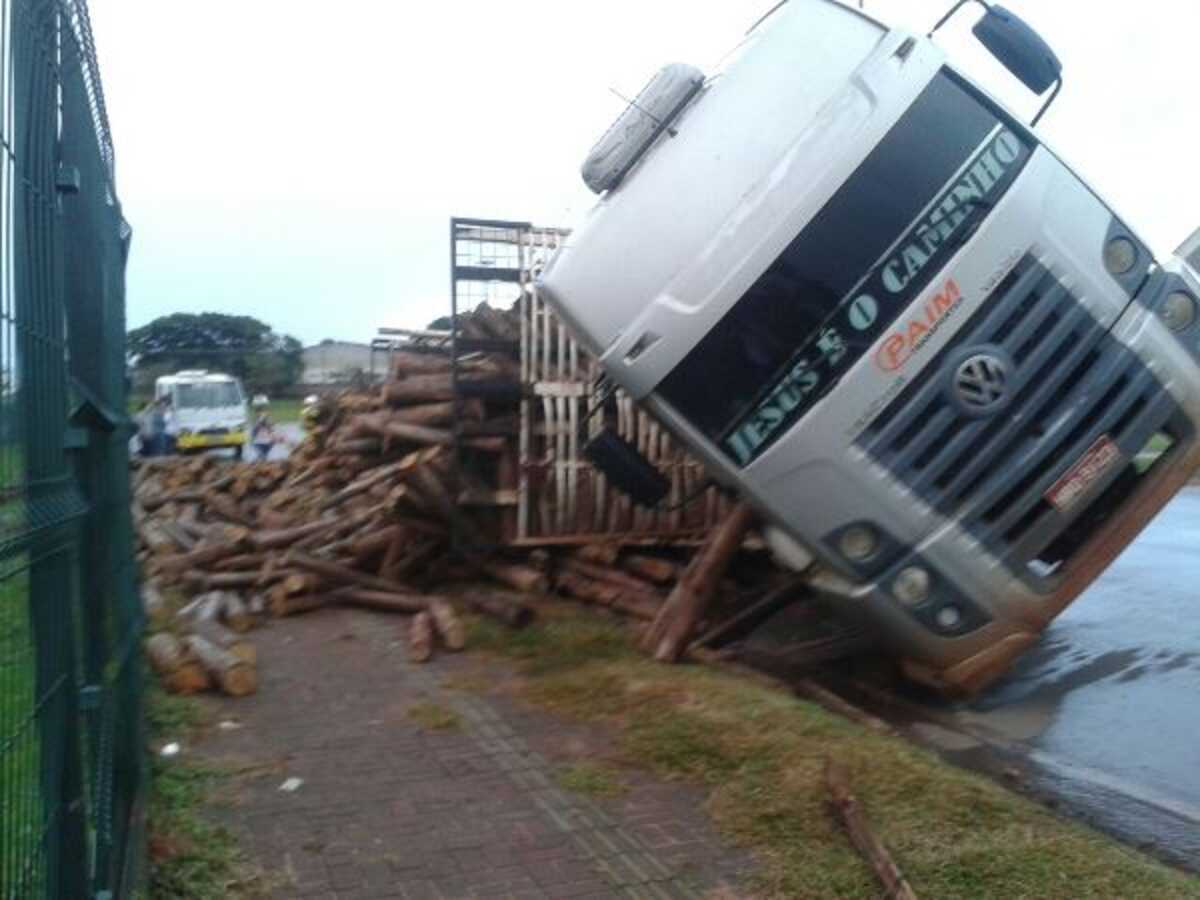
[(851, 271), (207, 395)]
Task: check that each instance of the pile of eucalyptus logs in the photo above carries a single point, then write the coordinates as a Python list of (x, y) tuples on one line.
[(361, 515)]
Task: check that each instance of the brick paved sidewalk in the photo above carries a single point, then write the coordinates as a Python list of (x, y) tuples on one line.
[(389, 809)]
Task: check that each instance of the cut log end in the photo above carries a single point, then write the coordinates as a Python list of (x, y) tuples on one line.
[(420, 638)]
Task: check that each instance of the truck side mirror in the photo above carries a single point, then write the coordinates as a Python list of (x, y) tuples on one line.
[(1017, 47), (629, 471)]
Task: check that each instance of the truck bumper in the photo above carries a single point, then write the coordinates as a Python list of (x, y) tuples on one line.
[(211, 441)]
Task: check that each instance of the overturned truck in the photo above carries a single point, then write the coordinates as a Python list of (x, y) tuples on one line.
[(876, 305)]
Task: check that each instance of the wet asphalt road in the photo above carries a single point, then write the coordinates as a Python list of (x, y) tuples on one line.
[(1103, 716)]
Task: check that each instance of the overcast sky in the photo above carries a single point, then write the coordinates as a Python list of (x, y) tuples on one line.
[(298, 161)]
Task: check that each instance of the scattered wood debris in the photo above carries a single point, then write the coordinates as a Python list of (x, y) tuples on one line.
[(365, 512), (862, 835)]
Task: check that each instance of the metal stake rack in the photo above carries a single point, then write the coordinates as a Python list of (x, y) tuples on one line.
[(546, 491)]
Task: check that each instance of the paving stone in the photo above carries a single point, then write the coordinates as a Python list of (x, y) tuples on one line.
[(388, 810)]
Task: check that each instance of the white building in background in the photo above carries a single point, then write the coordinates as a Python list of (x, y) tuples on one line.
[(335, 362)]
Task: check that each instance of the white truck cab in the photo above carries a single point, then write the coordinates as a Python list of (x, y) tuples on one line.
[(210, 409), (883, 310)]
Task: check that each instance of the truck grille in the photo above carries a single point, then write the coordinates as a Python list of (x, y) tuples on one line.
[(1071, 384)]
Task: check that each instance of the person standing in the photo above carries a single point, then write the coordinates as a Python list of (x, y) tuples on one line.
[(262, 435), (170, 427), (156, 428), (145, 444)]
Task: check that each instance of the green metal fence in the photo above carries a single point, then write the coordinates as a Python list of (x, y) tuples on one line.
[(71, 769)]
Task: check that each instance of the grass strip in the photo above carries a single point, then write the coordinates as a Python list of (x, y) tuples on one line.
[(190, 858), (759, 753)]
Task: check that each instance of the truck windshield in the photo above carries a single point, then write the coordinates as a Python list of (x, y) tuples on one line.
[(850, 272), (207, 395)]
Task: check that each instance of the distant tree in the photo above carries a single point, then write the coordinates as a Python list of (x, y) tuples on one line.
[(239, 345)]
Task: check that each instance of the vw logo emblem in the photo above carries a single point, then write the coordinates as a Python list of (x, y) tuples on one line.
[(980, 382)]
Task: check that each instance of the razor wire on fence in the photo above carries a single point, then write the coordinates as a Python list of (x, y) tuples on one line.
[(71, 769)]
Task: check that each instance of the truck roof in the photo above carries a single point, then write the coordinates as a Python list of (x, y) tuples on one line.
[(191, 377)]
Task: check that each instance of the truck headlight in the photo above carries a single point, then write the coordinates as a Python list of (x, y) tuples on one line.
[(1178, 311), (1120, 255), (949, 617), (858, 543), (911, 585)]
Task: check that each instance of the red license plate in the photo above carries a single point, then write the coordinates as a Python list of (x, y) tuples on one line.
[(1087, 470)]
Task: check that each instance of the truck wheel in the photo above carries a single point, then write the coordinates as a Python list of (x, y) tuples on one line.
[(239, 451)]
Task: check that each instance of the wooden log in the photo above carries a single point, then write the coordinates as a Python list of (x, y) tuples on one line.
[(256, 605), (199, 558), (668, 635), (382, 474), (420, 638), (155, 538), (220, 636), (608, 594), (297, 583), (205, 606), (394, 552), (227, 508), (393, 428), (772, 599), (154, 605), (654, 568), (232, 675), (437, 387), (862, 835), (487, 444), (282, 606), (342, 574), (429, 485), (362, 446), (386, 601), (216, 581), (417, 554), (602, 554), (407, 363), (447, 624), (614, 576), (198, 530), (179, 674), (441, 413), (520, 577), (183, 540), (815, 692), (367, 545), (152, 501), (234, 613), (286, 537), (241, 562), (510, 611), (432, 387), (347, 525), (416, 434)]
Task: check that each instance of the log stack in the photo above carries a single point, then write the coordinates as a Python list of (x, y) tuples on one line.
[(362, 514)]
